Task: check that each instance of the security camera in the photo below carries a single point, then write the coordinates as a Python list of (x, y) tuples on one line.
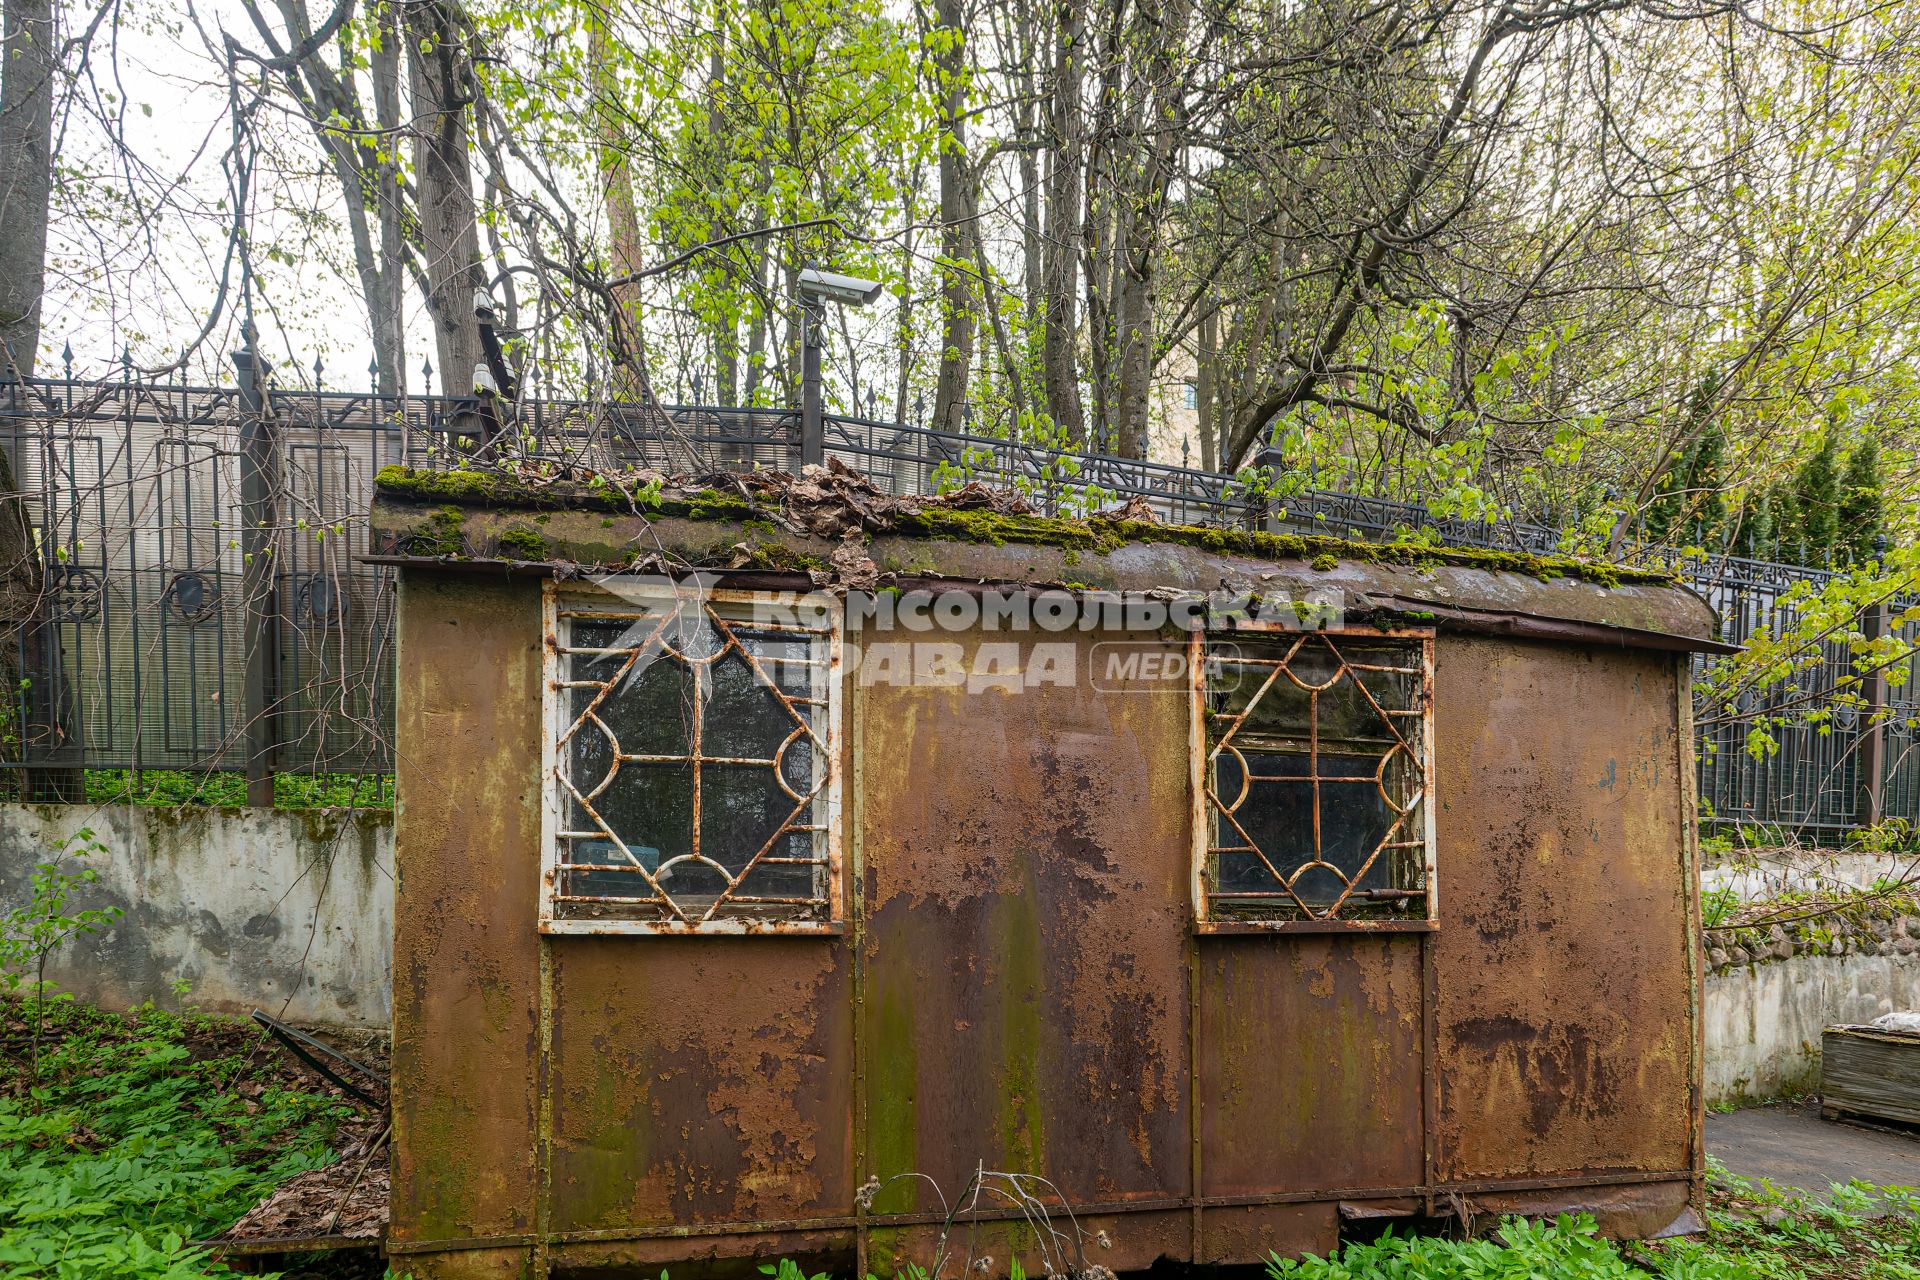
[(828, 286)]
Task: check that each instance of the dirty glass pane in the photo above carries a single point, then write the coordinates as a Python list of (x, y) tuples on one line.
[(1313, 684), (696, 723), (744, 718), (1314, 776), (1277, 814), (650, 807)]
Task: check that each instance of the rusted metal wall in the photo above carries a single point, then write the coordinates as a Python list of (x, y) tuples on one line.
[(1019, 987), (466, 958), (1024, 871), (1565, 993)]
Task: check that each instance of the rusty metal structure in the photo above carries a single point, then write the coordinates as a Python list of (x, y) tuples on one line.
[(1400, 921)]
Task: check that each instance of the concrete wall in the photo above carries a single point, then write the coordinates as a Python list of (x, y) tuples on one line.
[(1763, 1021), (291, 912), (1758, 876)]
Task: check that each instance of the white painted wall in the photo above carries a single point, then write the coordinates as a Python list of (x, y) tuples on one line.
[(291, 912), (1755, 877), (1763, 1022)]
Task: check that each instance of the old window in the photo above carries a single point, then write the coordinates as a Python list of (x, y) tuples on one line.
[(691, 779), (1314, 779)]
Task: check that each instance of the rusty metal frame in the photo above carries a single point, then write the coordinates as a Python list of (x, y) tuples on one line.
[(1300, 917), (818, 811), (713, 1231)]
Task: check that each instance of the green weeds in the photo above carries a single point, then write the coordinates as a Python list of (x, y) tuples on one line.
[(228, 789), (137, 1136), (1754, 1232)]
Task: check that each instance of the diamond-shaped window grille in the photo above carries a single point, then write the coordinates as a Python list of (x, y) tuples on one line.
[(692, 767), (1316, 777)]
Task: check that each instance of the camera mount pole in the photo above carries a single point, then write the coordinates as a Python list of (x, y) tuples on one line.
[(813, 427)]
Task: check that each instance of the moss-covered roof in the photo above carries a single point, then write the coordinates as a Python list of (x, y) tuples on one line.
[(479, 518), (492, 491)]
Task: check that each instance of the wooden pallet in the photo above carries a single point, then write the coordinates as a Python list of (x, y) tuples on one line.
[(1870, 1074)]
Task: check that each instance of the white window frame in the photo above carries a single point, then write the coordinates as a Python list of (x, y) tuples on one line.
[(1200, 754), (562, 601)]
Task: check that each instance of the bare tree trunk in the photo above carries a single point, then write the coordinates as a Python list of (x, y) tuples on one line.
[(1060, 284), (26, 175), (726, 330), (757, 335), (1205, 377), (30, 655), (956, 282), (389, 334), (628, 251), (903, 318), (363, 164), (442, 86)]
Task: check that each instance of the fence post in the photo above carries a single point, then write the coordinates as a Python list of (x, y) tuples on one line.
[(259, 518), (1873, 732)]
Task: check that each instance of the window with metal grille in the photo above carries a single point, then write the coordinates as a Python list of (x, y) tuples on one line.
[(691, 778), (1315, 779)]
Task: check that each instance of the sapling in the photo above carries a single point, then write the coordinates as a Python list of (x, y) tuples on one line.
[(32, 932)]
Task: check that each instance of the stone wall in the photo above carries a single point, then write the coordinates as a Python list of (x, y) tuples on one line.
[(1770, 992), (287, 911)]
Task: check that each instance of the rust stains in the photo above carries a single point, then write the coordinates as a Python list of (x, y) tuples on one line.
[(1025, 899), (1020, 986), (1562, 995), (700, 1080), (465, 1015), (1310, 1063)]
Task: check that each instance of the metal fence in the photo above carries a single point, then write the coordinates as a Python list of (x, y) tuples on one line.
[(132, 498)]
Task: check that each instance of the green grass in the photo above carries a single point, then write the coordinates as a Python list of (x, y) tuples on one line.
[(226, 788), (1754, 1232), (133, 1137), (1567, 1248)]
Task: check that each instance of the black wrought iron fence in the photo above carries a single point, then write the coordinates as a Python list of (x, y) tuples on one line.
[(134, 497)]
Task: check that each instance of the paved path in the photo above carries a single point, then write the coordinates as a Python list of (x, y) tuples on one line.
[(1793, 1147)]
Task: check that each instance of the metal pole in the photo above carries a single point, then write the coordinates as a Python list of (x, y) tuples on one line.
[(1873, 732), (259, 516), (1273, 462), (813, 427)]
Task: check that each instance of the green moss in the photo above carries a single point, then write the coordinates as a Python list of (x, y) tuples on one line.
[(708, 504), (480, 488), (1099, 535), (438, 486), (439, 534), (893, 1138), (779, 558), (1023, 1035), (521, 544)]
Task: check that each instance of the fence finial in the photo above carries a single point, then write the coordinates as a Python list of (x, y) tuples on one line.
[(66, 360), (426, 375)]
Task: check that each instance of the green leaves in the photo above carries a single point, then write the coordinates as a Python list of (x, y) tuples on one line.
[(131, 1146), (1567, 1248)]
